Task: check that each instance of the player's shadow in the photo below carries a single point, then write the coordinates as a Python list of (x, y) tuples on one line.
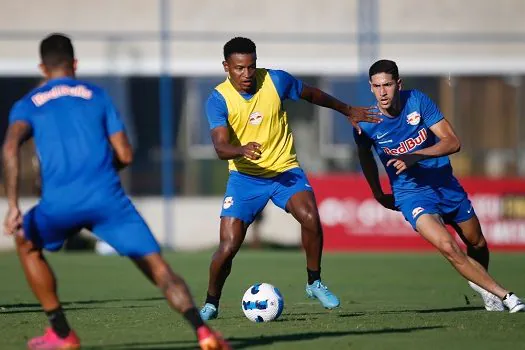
[(76, 309), (432, 311), (69, 305), (250, 341)]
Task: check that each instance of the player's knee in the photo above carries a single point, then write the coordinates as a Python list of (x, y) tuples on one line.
[(479, 243), (229, 248), (310, 220), (25, 246), (451, 251)]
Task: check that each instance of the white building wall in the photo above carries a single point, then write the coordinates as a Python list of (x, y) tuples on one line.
[(121, 36)]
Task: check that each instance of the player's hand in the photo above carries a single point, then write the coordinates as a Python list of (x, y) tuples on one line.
[(13, 221), (387, 200), (362, 114), (404, 161), (252, 150)]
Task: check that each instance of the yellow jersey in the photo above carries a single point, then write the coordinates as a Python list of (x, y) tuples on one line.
[(260, 119)]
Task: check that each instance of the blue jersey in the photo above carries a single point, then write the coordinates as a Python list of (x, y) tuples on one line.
[(408, 132), (71, 122), (288, 87)]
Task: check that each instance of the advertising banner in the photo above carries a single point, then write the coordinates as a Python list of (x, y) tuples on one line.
[(353, 220)]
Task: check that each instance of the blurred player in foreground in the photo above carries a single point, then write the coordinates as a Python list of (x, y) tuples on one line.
[(249, 128), (413, 143), (81, 143)]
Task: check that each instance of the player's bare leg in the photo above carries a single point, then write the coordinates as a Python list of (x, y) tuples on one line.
[(304, 209), (232, 234), (172, 285), (470, 233), (179, 297), (431, 228), (43, 283)]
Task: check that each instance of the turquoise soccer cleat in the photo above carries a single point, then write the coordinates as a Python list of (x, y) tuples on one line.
[(209, 312), (319, 291)]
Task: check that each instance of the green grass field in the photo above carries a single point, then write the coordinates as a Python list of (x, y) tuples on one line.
[(389, 301)]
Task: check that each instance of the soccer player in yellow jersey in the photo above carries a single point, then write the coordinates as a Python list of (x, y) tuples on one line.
[(249, 128)]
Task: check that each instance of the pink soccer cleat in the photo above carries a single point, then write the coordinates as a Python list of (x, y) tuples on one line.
[(51, 341), (209, 340)]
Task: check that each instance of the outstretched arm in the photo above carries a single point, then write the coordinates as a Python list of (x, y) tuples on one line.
[(354, 114), (448, 144), (16, 134), (220, 137), (370, 170)]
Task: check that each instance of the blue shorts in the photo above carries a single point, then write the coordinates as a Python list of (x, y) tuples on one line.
[(451, 203), (247, 195), (116, 222)]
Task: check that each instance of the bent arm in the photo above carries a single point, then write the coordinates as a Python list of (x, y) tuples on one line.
[(16, 134), (448, 141), (220, 137), (122, 149)]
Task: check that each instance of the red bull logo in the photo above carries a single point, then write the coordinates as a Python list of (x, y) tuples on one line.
[(255, 118), (407, 145), (413, 118)]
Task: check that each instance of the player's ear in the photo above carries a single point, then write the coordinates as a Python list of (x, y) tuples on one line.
[(225, 66), (399, 84), (75, 63)]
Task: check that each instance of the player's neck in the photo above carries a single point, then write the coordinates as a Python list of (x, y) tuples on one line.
[(61, 73)]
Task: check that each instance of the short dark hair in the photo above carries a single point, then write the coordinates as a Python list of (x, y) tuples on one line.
[(57, 50), (384, 66), (238, 45)]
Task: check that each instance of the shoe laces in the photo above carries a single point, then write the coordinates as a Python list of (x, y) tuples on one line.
[(208, 307), (323, 288)]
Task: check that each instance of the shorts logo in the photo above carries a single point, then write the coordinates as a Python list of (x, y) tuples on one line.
[(255, 118), (413, 118), (417, 211), (228, 202)]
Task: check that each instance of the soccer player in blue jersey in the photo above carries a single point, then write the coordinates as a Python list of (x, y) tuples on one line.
[(81, 144), (249, 128), (413, 143)]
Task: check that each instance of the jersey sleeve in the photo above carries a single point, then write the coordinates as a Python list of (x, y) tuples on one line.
[(216, 110), (362, 140), (21, 111), (429, 110), (288, 87), (114, 123)]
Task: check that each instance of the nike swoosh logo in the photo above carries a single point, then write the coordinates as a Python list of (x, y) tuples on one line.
[(380, 136), (307, 185)]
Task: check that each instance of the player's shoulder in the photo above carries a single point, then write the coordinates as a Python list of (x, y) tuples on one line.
[(413, 95), (215, 96), (278, 73)]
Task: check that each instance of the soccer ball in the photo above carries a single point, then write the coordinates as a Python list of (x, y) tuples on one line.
[(262, 302)]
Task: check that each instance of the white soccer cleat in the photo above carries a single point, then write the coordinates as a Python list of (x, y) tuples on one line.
[(492, 302), (513, 303)]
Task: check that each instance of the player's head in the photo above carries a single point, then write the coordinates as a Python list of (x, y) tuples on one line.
[(240, 62), (57, 56), (385, 83)]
